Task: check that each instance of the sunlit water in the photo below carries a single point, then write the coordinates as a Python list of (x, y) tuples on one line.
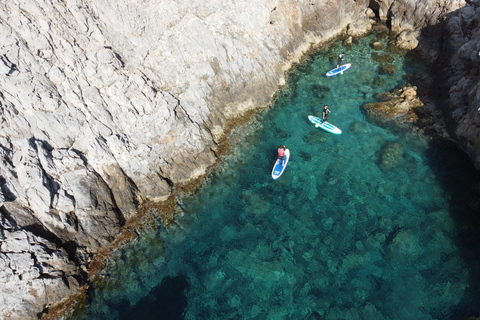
[(369, 224)]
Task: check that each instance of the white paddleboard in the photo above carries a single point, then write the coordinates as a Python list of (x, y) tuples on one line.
[(319, 123)]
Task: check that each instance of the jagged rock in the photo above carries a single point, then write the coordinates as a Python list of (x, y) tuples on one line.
[(457, 93), (397, 105), (385, 96), (409, 93), (34, 272), (407, 40)]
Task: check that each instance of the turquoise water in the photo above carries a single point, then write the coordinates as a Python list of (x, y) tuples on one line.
[(369, 224)]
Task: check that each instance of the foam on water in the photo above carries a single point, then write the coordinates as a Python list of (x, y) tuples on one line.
[(369, 224)]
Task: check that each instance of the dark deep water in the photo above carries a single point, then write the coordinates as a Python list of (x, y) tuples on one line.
[(369, 224)]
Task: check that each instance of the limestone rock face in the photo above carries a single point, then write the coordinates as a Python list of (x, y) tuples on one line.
[(105, 103)]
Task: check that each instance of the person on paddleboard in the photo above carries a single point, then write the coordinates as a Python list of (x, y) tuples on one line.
[(325, 113), (340, 60), (281, 154)]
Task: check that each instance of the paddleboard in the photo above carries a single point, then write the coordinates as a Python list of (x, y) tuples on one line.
[(324, 125), (336, 71), (278, 168)]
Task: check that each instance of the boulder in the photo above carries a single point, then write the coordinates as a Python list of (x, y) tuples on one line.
[(398, 105), (376, 45), (407, 40)]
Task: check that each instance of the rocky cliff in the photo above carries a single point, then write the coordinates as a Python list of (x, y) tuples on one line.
[(457, 78), (105, 104)]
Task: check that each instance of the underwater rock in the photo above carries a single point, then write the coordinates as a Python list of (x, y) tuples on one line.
[(382, 58), (379, 81), (365, 89), (388, 69), (389, 155), (359, 128), (320, 91), (169, 297), (406, 243), (382, 31)]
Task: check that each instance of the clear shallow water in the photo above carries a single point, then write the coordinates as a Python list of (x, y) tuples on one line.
[(369, 224)]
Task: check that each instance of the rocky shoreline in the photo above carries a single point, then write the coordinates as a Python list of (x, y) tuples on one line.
[(107, 109)]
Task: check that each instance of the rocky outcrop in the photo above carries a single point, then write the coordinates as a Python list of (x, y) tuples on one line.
[(399, 105), (105, 104), (416, 24), (457, 78)]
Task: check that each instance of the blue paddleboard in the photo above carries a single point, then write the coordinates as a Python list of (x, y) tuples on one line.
[(336, 71), (324, 125), (278, 168)]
